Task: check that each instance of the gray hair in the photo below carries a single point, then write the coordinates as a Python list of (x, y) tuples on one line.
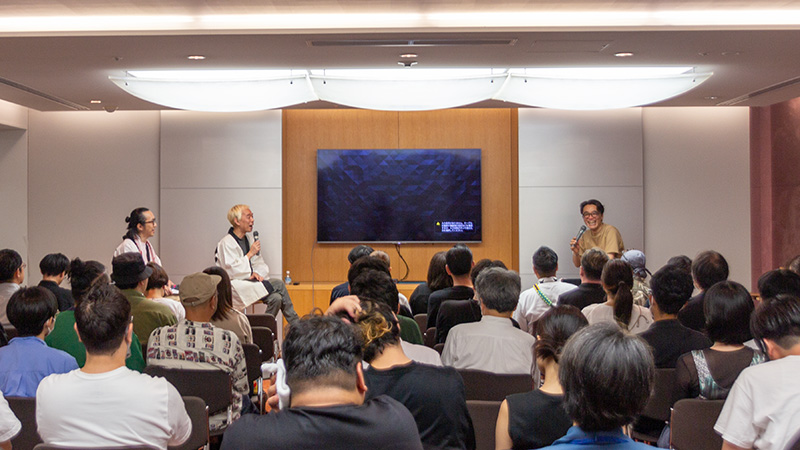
[(498, 289)]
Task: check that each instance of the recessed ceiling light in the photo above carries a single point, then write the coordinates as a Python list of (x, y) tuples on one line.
[(409, 55), (196, 57), (711, 97), (623, 54), (95, 101), (731, 53)]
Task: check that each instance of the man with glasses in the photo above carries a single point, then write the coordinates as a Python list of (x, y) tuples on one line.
[(12, 274), (598, 234)]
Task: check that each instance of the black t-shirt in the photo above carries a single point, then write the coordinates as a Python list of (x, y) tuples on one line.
[(340, 290), (434, 395), (692, 314), (669, 340), (452, 293), (63, 296), (536, 419), (419, 299), (584, 295), (381, 423)]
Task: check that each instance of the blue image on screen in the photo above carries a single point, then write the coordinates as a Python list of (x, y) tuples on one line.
[(431, 195)]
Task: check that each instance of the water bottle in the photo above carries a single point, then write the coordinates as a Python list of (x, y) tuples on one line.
[(288, 280)]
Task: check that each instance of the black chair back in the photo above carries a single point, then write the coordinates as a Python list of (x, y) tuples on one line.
[(429, 338), (480, 385), (198, 413), (25, 410), (213, 386), (692, 424), (484, 418), (422, 320), (264, 338), (658, 406), (264, 320)]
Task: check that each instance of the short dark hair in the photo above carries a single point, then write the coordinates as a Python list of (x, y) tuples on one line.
[(794, 264), (437, 275), (682, 262), (102, 319), (617, 278), (366, 263), (594, 202), (359, 251), (10, 262), (84, 275), (592, 262), (728, 306), (459, 260), (777, 319), (778, 281), (708, 268), (54, 264), (159, 277), (224, 293), (29, 308), (545, 261), (606, 374), (554, 328), (376, 285), (378, 326), (672, 287), (321, 351), (484, 264), (498, 289)]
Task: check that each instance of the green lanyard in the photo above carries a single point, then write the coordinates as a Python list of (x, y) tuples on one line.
[(542, 296)]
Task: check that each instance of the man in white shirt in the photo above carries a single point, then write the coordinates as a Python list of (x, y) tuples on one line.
[(105, 404), (12, 274), (763, 408), (536, 301)]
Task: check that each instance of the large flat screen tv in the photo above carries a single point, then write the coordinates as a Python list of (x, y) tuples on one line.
[(420, 195)]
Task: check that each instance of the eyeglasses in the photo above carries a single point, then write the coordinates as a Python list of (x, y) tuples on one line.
[(150, 221), (592, 214)]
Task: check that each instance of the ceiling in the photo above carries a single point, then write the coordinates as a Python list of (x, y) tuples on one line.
[(58, 54)]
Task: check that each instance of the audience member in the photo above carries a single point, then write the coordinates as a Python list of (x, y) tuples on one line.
[(130, 274), (12, 274), (84, 276), (434, 395), (437, 279), (599, 235), (763, 408), (606, 374), (141, 227), (484, 263), (641, 289), (9, 424), (590, 290), (239, 253), (157, 290), (778, 281), (405, 307), (105, 404), (537, 418), (226, 317), (617, 279), (27, 359), (340, 290), (54, 269), (323, 370), (543, 296), (493, 344), (708, 268), (458, 265), (794, 264), (681, 262), (196, 343)]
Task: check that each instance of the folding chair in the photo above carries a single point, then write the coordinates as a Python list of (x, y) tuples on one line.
[(252, 356), (692, 424), (429, 337), (25, 410), (658, 406), (484, 418), (263, 320), (198, 413), (265, 339), (480, 385)]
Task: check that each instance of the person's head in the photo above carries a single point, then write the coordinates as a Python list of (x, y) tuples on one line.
[(638, 263), (459, 260), (158, 279), (554, 328), (437, 274), (776, 325), (30, 309), (484, 264), (378, 326), (592, 212), (672, 287), (224, 293), (358, 251), (11, 267), (778, 281), (141, 222), (617, 279), (606, 375), (241, 218), (681, 262), (592, 263), (103, 320), (498, 289), (85, 274), (198, 294), (545, 262), (794, 264), (382, 255), (54, 264), (376, 285), (128, 271), (727, 307), (708, 268), (323, 352), (366, 263)]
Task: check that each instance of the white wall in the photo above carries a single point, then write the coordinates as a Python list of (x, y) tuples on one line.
[(697, 185), (14, 178)]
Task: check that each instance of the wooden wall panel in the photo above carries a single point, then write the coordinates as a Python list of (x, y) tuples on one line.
[(305, 131)]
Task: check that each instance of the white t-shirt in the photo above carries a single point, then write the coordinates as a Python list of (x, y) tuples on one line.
[(175, 306), (115, 408), (763, 409), (641, 317), (9, 424), (421, 353)]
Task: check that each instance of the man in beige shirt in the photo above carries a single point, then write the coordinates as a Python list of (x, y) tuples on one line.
[(598, 234)]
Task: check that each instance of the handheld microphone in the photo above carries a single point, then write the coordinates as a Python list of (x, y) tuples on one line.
[(255, 238), (580, 233)]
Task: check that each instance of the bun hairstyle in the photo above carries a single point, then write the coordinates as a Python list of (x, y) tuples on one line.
[(617, 278), (378, 327), (85, 275), (135, 219)]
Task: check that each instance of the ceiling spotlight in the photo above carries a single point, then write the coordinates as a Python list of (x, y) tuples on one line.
[(711, 97), (95, 102), (407, 63), (196, 57), (623, 54), (731, 53), (409, 55)]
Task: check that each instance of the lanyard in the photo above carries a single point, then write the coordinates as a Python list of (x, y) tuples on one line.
[(542, 296)]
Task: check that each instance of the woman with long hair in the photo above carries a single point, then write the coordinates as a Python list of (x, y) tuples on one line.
[(437, 279), (617, 280), (141, 227)]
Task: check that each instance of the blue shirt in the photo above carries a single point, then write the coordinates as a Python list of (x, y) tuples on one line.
[(25, 361), (604, 440)]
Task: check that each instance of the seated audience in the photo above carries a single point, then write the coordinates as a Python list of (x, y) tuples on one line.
[(640, 289), (105, 404), (484, 263), (405, 308), (537, 418), (12, 274), (131, 275), (437, 279), (543, 296), (226, 317), (590, 291), (606, 374), (493, 344), (327, 409), (83, 277), (27, 359), (458, 265), (617, 279), (54, 269), (682, 262), (433, 395), (708, 268), (763, 408), (359, 251), (9, 424), (157, 291), (179, 346), (778, 281)]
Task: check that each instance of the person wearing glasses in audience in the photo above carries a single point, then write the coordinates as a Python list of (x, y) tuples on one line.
[(598, 234), (141, 227)]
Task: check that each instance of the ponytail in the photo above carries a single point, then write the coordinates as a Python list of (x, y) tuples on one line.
[(623, 304), (617, 278)]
